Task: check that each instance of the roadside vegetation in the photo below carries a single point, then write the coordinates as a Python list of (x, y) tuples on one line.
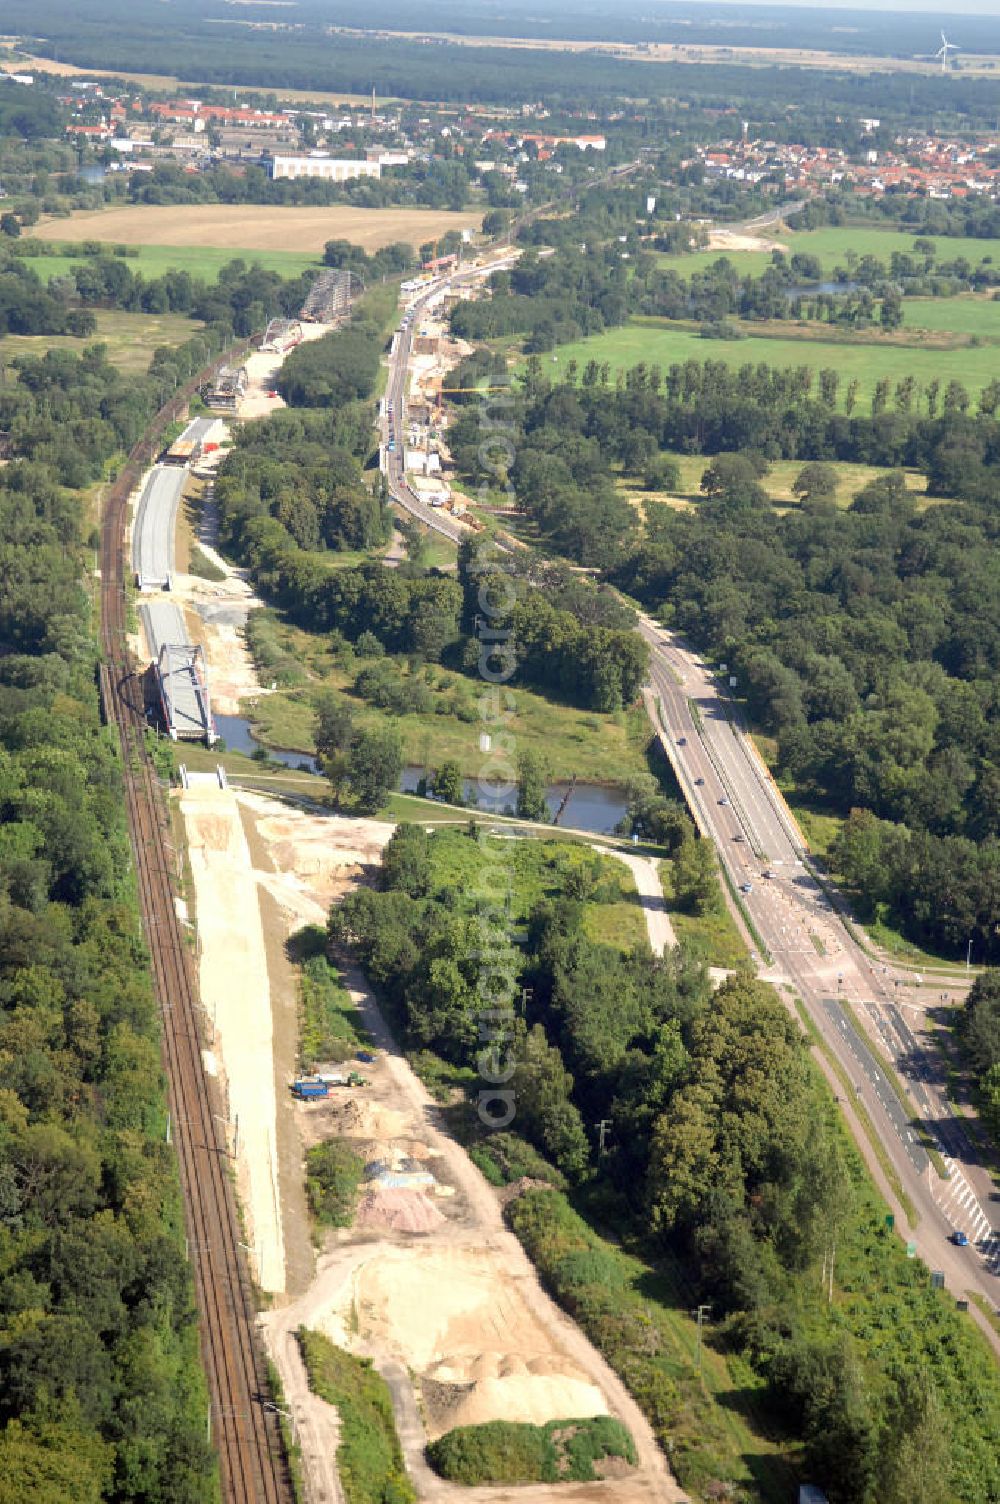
[(369, 1457), (979, 1037), (512, 1452), (333, 1174), (330, 1028)]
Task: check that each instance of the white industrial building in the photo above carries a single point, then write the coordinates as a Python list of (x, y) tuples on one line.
[(331, 169)]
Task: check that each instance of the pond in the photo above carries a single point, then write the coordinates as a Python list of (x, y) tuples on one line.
[(810, 289)]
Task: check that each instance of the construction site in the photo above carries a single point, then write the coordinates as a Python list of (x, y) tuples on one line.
[(427, 1282)]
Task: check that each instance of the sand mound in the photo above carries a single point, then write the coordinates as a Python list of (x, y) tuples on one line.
[(547, 1367), (534, 1398), (457, 1318), (398, 1211), (365, 1120)]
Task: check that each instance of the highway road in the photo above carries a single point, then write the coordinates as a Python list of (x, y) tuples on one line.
[(857, 1004)]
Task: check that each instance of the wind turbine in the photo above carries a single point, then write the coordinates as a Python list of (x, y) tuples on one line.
[(944, 50)]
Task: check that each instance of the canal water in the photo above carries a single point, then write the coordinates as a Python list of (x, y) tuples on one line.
[(593, 807), (235, 732)]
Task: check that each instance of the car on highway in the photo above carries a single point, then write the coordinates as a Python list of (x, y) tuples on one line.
[(739, 836), (682, 741), (767, 872), (699, 782), (959, 1239), (724, 800), (746, 887)]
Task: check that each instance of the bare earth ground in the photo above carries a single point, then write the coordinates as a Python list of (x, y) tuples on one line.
[(429, 1284), (256, 227), (681, 52), (731, 240), (234, 989), (441, 1296)]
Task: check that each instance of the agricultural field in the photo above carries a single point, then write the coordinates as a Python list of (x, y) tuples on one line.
[(256, 227), (202, 261), (865, 360), (131, 338), (169, 83)]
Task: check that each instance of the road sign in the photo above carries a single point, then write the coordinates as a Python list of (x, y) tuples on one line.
[(937, 1279), (911, 1250), (890, 1221)]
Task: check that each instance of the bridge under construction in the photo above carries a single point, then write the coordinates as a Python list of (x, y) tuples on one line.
[(180, 673)]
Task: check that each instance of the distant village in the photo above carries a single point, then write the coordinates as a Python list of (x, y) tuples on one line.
[(134, 132), (933, 166)]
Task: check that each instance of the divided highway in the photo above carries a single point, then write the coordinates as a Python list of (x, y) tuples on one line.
[(812, 953), (850, 998)]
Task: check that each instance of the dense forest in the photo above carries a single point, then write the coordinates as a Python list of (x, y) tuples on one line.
[(278, 517), (722, 1150), (866, 642), (314, 54), (301, 469), (853, 30), (101, 1392), (979, 1035)]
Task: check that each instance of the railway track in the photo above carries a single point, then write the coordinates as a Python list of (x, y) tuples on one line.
[(242, 1421)]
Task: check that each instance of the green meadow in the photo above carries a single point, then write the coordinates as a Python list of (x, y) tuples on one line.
[(851, 478), (130, 338), (832, 244), (865, 360), (204, 261), (973, 313)]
